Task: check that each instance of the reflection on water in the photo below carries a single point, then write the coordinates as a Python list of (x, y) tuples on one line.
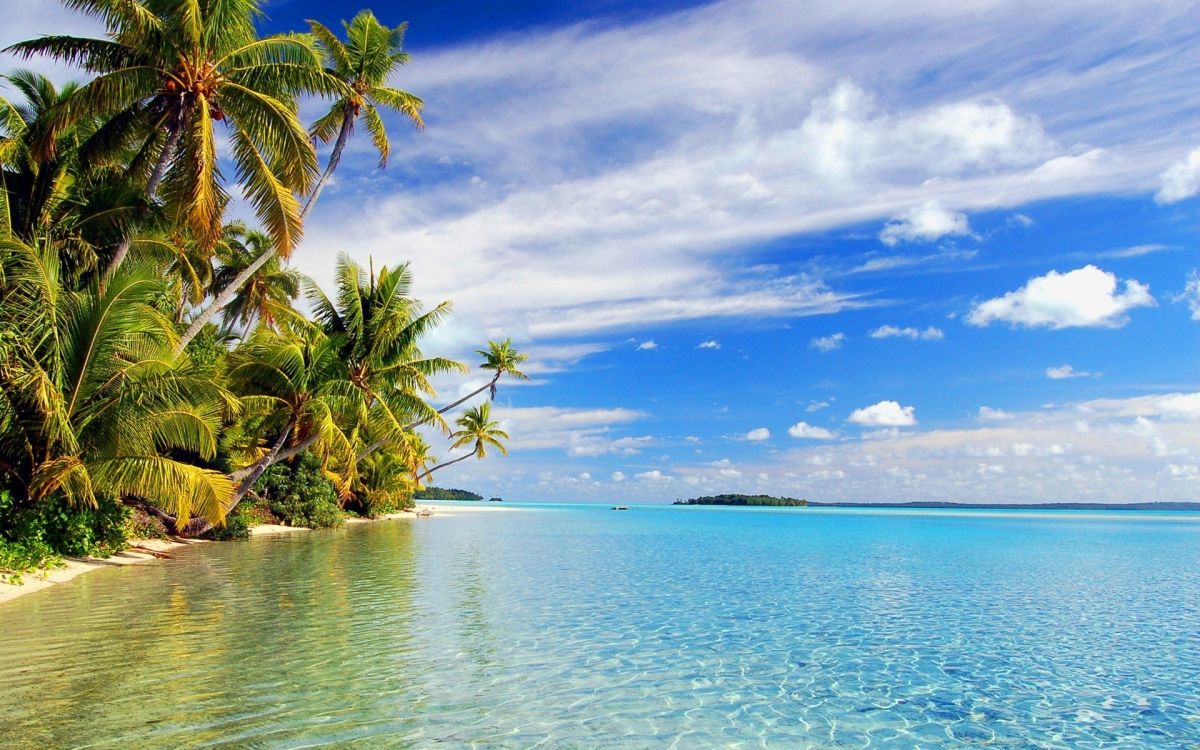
[(584, 628)]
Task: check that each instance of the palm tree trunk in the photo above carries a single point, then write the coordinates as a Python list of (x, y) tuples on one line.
[(251, 474), (335, 156), (230, 291), (442, 466), (160, 169), (410, 427), (222, 299)]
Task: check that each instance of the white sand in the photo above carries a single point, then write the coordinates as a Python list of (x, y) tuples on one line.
[(267, 529), (31, 582)]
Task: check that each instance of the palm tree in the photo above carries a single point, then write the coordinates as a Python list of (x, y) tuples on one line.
[(387, 479), (92, 408), (37, 183), (502, 358), (380, 327), (362, 65), (371, 54), (168, 72), (294, 386), (475, 427), (270, 290)]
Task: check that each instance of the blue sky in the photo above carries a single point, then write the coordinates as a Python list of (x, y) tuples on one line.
[(839, 250)]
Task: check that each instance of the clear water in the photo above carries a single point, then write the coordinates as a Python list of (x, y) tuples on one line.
[(660, 627)]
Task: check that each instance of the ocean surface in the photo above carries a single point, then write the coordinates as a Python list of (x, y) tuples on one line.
[(580, 627)]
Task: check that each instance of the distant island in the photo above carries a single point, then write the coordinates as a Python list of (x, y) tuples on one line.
[(443, 493), (791, 502), (763, 500)]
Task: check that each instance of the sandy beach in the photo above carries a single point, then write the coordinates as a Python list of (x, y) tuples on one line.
[(135, 555), (77, 566)]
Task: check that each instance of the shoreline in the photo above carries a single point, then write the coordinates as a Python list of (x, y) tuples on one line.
[(134, 555)]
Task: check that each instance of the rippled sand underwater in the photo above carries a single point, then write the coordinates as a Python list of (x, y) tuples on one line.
[(660, 627)]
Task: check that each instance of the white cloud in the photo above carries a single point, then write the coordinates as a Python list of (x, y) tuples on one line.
[(758, 434), (1181, 180), (1171, 406), (654, 475), (828, 343), (890, 331), (816, 405), (1191, 294), (646, 346), (924, 223), (988, 413), (884, 414), (710, 344), (1085, 297), (806, 431), (1063, 372), (578, 432), (618, 476), (554, 358)]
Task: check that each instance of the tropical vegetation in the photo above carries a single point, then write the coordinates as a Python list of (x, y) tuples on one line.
[(735, 499), (155, 369)]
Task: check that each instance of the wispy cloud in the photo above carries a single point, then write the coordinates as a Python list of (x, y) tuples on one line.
[(622, 171)]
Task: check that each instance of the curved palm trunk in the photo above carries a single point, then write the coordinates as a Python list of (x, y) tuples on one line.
[(230, 291), (490, 385), (442, 466), (160, 170), (222, 299), (335, 157), (249, 475)]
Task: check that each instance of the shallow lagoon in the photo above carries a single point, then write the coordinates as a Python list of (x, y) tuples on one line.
[(579, 627)]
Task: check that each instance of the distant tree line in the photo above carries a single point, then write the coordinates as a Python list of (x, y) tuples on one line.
[(444, 493), (764, 500)]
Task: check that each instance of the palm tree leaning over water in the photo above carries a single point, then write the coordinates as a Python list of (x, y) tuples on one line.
[(362, 66), (267, 293), (167, 73), (475, 426)]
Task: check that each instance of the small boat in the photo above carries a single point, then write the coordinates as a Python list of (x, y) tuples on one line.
[(620, 507)]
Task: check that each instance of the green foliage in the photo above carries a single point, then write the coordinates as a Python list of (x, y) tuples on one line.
[(442, 493), (764, 500), (142, 525), (300, 494), (55, 527), (237, 525)]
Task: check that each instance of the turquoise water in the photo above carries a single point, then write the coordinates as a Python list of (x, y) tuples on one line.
[(661, 627)]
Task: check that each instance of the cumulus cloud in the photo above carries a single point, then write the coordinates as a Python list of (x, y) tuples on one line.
[(931, 333), (828, 343), (646, 346), (618, 476), (1181, 180), (1085, 297), (710, 344), (1063, 372), (924, 223), (758, 434), (816, 405), (884, 414), (805, 431)]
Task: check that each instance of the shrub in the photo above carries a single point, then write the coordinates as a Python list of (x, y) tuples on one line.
[(300, 494), (55, 525), (142, 525)]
